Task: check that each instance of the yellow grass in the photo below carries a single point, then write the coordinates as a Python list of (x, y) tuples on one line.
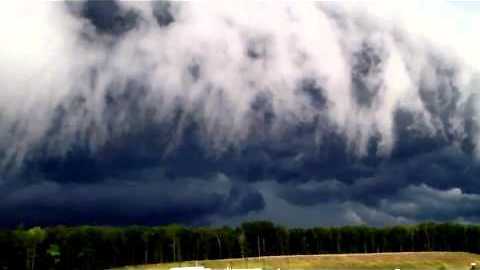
[(403, 260)]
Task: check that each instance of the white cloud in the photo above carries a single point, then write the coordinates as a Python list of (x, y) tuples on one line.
[(46, 63)]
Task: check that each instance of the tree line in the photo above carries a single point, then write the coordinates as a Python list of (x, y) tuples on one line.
[(101, 247)]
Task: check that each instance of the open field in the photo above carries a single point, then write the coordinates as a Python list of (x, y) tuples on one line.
[(403, 260)]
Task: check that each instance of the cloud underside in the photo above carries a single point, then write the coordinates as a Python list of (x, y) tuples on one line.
[(313, 114)]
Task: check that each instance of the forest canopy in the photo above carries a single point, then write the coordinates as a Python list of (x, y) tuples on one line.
[(100, 247)]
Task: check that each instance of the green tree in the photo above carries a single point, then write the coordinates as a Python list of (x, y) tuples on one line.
[(30, 240), (54, 253)]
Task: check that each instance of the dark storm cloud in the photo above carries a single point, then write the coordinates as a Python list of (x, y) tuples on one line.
[(367, 61), (306, 179), (107, 17), (149, 198), (162, 10), (195, 113), (419, 202), (438, 185)]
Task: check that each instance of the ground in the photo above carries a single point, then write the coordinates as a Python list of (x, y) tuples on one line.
[(402, 260)]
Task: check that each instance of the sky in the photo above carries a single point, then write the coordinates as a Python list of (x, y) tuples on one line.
[(213, 113)]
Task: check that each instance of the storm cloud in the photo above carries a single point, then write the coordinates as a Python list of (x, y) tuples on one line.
[(214, 113)]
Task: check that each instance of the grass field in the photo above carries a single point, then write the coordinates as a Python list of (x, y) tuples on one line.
[(403, 260)]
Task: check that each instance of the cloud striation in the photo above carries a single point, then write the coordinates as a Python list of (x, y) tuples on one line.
[(215, 113)]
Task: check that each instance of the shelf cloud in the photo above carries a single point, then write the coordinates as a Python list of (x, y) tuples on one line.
[(212, 113)]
